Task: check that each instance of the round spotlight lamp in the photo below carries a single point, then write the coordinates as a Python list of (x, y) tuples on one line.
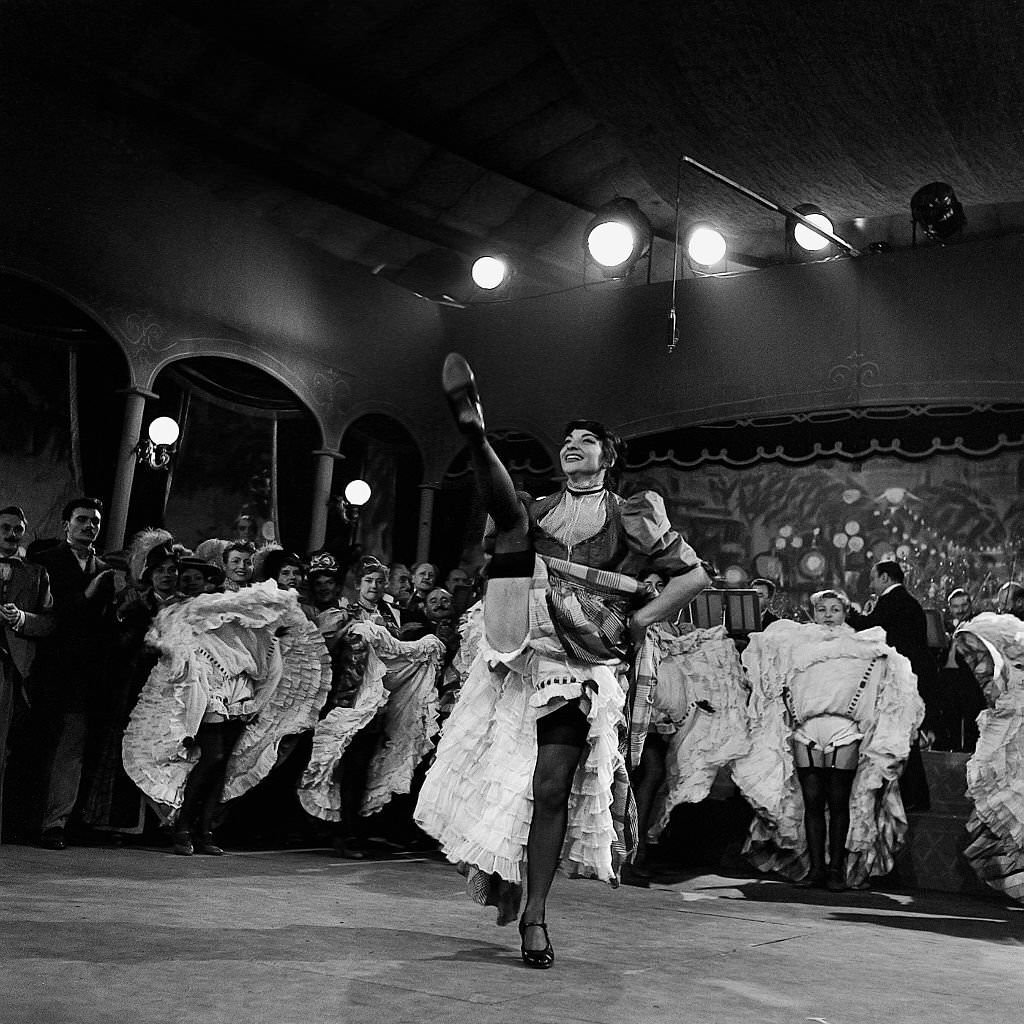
[(489, 272), (706, 245), (618, 235), (163, 431), (804, 236), (936, 208), (357, 492)]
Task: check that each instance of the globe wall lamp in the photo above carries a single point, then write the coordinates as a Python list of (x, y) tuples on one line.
[(156, 449)]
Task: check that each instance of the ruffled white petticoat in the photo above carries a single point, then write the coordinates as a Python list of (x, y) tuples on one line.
[(400, 677), (477, 798), (995, 773), (225, 635), (767, 775), (700, 667)]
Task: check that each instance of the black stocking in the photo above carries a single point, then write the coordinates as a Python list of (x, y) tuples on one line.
[(206, 780), (838, 785), (561, 737), (812, 784), (497, 492)]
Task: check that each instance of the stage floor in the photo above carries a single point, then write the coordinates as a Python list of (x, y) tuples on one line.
[(110, 935)]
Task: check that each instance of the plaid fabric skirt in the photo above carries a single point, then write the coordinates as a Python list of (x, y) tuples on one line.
[(477, 798)]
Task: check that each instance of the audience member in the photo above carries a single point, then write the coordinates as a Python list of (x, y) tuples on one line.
[(765, 592), (73, 662), (26, 607), (900, 614)]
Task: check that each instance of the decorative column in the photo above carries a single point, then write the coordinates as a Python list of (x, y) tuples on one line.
[(117, 516), (426, 522), (323, 479)]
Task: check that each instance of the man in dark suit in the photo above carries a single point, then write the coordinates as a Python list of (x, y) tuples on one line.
[(899, 613), (72, 663), (25, 606)]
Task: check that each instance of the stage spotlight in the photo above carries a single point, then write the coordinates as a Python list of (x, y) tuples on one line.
[(618, 236), (936, 208), (803, 235), (705, 245), (489, 272)]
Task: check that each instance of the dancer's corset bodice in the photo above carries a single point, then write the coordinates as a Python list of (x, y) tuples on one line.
[(605, 549)]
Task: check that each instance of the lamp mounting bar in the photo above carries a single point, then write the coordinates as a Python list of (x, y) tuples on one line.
[(773, 206)]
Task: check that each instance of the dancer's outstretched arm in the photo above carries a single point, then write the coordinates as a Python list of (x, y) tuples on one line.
[(678, 593)]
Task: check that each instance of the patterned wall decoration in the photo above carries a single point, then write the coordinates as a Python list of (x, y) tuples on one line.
[(952, 521)]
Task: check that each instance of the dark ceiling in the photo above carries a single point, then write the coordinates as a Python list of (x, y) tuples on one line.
[(401, 134)]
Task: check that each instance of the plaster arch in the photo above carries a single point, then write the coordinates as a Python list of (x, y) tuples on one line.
[(268, 364)]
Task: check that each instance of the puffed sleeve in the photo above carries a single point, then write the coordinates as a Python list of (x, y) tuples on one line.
[(653, 542)]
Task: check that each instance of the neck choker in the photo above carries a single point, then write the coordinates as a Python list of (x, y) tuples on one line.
[(584, 490)]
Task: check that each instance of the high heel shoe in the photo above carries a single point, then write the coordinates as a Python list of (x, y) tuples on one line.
[(459, 386), (540, 958)]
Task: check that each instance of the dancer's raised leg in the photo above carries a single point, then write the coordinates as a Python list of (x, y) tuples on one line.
[(506, 609)]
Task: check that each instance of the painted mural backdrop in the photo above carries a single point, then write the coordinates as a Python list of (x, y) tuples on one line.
[(951, 521)]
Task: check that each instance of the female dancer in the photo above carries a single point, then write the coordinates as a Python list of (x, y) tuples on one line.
[(838, 710), (526, 767), (992, 646)]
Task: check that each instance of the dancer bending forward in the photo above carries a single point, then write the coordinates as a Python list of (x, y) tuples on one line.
[(528, 762)]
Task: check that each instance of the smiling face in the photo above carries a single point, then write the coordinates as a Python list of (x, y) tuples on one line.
[(191, 581), (12, 530), (582, 454), (438, 605), (423, 578), (324, 587), (829, 611), (290, 577), (238, 567), (164, 577), (960, 607), (82, 527)]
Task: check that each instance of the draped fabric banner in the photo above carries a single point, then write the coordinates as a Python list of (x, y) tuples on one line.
[(950, 520), (39, 463)]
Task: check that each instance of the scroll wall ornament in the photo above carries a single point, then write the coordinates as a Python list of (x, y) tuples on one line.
[(141, 330), (852, 375)]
